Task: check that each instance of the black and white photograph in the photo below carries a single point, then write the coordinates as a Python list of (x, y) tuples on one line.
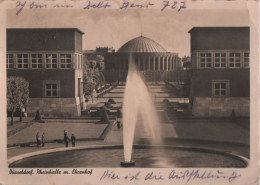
[(130, 92)]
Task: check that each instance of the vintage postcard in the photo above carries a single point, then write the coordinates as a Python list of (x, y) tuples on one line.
[(129, 92)]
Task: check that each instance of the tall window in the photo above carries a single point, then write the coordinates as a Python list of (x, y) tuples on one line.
[(51, 61), (146, 64), (156, 64), (141, 64), (246, 59), (205, 60), (78, 61), (51, 88), (234, 60), (136, 62), (220, 88), (36, 61), (220, 60), (22, 61), (161, 63), (65, 60), (9, 61)]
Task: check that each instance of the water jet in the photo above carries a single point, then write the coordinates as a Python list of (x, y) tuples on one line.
[(137, 102)]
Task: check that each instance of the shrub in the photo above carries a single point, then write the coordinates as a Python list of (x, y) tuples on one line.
[(111, 101), (107, 105), (103, 115), (119, 113), (38, 116)]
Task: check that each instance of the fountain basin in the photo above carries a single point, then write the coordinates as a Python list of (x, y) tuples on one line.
[(127, 164), (145, 156)]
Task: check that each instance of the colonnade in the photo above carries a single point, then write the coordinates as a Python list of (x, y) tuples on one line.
[(143, 63)]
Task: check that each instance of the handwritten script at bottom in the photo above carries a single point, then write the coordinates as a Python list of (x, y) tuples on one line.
[(185, 175)]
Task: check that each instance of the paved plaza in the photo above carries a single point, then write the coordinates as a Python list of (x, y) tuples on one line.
[(220, 134)]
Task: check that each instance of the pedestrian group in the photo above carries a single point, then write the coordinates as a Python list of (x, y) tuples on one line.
[(40, 140)]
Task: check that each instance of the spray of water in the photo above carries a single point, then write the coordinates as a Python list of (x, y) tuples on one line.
[(137, 101)]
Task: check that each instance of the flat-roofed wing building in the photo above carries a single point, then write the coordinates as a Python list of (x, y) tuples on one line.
[(50, 59), (220, 79)]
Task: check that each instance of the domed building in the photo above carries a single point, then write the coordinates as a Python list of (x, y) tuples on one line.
[(153, 62)]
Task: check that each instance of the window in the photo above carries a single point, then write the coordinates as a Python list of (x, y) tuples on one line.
[(36, 61), (9, 61), (234, 60), (22, 61), (51, 61), (78, 62), (220, 60), (51, 88), (65, 61), (246, 59), (205, 60), (220, 88), (146, 64)]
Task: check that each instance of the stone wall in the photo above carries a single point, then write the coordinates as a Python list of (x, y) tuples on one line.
[(220, 107), (54, 107)]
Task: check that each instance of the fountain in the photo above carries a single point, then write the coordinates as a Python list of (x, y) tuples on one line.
[(137, 105), (137, 101)]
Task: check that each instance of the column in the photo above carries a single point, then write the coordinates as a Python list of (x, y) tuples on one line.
[(163, 63), (154, 63), (167, 58), (159, 63), (144, 63), (173, 63), (139, 64), (118, 63), (149, 60)]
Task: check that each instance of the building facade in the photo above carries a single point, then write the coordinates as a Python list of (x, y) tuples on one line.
[(51, 61), (152, 61), (220, 75), (100, 51)]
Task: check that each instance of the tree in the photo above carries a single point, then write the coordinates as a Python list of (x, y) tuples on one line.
[(186, 62), (17, 95), (100, 63), (93, 76)]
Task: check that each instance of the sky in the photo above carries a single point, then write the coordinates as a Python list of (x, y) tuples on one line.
[(113, 28)]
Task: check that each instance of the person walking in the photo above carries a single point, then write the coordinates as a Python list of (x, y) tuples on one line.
[(38, 139), (73, 140), (119, 124), (43, 139), (66, 140)]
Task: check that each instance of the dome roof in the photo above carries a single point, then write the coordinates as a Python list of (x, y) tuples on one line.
[(141, 45)]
